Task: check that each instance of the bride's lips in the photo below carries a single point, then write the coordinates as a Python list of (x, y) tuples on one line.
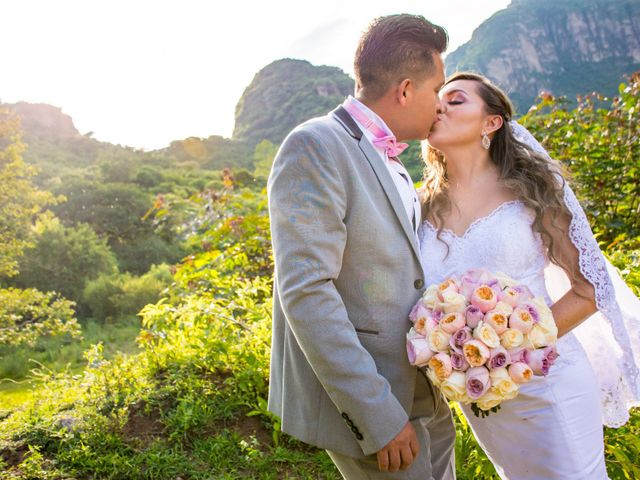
[(433, 126)]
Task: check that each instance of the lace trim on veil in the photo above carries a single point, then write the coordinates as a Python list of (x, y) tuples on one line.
[(609, 337)]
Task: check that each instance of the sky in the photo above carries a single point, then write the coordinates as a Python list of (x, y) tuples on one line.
[(143, 73)]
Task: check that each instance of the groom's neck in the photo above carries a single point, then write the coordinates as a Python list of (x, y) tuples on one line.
[(385, 111)]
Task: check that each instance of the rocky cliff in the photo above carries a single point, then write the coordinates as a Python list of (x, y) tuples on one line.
[(567, 47)]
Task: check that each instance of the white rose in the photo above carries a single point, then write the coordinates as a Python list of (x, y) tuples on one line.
[(452, 302), (544, 312), (503, 307), (438, 340), (504, 280), (430, 296), (541, 336), (489, 400), (455, 388), (486, 334), (502, 384), (511, 338), (432, 377)]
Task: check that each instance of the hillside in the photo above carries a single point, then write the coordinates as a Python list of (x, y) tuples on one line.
[(567, 47), (285, 93)]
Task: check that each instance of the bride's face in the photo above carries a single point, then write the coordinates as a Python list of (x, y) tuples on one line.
[(460, 121)]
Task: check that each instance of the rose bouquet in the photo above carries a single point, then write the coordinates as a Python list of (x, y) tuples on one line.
[(480, 336)]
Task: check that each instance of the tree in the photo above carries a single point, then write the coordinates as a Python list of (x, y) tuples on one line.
[(263, 156), (20, 200), (63, 259)]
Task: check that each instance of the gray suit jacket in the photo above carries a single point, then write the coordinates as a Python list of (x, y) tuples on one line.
[(347, 272)]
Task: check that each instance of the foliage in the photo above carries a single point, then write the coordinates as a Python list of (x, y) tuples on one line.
[(114, 296), (601, 149), (263, 156), (21, 363), (63, 259), (192, 402), (20, 200), (26, 315)]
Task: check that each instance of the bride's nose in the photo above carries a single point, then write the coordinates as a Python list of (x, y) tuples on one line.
[(441, 107)]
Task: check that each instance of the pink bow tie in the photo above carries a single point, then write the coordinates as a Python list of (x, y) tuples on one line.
[(390, 145)]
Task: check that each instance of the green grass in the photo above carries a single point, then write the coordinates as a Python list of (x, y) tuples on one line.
[(59, 354)]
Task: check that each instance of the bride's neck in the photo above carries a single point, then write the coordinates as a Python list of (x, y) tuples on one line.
[(469, 168)]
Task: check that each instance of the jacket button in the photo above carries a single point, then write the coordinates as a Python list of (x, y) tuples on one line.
[(344, 415), (418, 284), (359, 436)]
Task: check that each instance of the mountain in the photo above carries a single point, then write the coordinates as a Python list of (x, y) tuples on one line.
[(566, 47), (285, 93)]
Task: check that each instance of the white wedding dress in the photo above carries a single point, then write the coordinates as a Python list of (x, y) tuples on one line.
[(553, 428)]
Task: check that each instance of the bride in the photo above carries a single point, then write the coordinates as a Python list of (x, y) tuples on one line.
[(493, 199)]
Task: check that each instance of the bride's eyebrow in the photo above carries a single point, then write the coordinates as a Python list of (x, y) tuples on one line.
[(456, 90)]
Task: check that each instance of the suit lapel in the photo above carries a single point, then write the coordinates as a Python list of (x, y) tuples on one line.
[(382, 173)]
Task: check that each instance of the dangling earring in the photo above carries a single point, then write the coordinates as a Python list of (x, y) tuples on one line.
[(486, 141)]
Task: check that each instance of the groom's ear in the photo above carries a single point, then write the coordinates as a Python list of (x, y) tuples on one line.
[(492, 123), (403, 91)]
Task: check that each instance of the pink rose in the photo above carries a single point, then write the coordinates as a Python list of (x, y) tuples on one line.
[(471, 280), (475, 352), (521, 319), (448, 285), (458, 362), (473, 316), (441, 366), (520, 372), (419, 311), (452, 322), (418, 351), (459, 338), (498, 320), (498, 358), (478, 382), (484, 298), (424, 325), (510, 296)]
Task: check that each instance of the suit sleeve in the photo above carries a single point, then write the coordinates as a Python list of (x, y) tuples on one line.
[(308, 202)]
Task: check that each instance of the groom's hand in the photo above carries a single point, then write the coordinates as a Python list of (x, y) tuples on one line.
[(400, 452)]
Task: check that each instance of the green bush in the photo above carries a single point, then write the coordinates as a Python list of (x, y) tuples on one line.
[(600, 146), (63, 259), (110, 297), (26, 315)]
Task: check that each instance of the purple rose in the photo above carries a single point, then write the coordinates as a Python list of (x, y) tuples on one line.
[(540, 362), (478, 382), (458, 362), (459, 338), (519, 354), (499, 357), (523, 290), (473, 316)]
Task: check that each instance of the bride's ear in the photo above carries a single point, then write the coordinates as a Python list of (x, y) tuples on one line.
[(492, 123)]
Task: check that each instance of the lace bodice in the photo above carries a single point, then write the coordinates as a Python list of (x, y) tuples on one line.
[(502, 241)]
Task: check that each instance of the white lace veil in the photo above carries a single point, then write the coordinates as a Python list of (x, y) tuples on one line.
[(611, 337)]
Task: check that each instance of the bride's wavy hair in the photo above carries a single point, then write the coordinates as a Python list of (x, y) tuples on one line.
[(534, 178)]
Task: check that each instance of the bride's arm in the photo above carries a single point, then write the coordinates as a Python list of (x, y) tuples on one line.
[(578, 303)]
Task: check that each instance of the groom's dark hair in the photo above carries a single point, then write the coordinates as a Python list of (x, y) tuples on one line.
[(396, 47)]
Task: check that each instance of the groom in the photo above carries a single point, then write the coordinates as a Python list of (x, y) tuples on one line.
[(344, 222)]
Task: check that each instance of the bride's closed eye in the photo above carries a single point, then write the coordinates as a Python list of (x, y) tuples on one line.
[(455, 102)]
